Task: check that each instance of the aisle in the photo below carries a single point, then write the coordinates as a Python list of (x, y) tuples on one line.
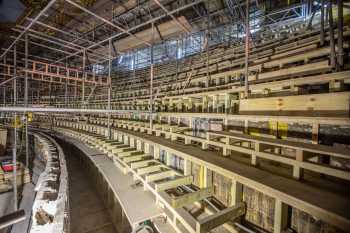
[(88, 214)]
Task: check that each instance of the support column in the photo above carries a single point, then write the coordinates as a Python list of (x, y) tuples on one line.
[(168, 158), (84, 77), (109, 86), (207, 177), (227, 103), (340, 35), (247, 35), (315, 132), (187, 167), (151, 85), (236, 192), (205, 103), (331, 35), (207, 34), (297, 170), (14, 150), (322, 24), (26, 97), (280, 217), (215, 103), (156, 152)]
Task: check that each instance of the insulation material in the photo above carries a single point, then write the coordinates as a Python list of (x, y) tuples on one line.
[(222, 188), (302, 222), (260, 208)]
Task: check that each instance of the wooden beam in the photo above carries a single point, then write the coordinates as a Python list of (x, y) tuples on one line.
[(184, 180), (133, 158), (143, 163), (159, 176), (190, 198), (145, 170), (229, 214)]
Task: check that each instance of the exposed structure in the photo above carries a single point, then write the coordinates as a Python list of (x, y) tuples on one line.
[(187, 116)]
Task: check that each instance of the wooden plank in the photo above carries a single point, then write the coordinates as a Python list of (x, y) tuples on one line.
[(330, 103), (229, 214), (143, 163), (184, 180), (145, 170), (132, 158), (190, 198), (159, 176)]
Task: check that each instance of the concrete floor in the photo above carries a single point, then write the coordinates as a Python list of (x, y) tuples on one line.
[(88, 213)]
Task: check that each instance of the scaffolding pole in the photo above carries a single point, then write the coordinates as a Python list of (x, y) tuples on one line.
[(322, 23), (28, 27), (84, 72), (109, 86), (14, 149), (151, 83), (207, 38), (247, 33), (26, 97), (331, 35), (340, 36)]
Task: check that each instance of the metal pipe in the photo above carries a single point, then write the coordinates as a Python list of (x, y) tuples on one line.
[(151, 84), (84, 76), (247, 32), (207, 50), (331, 35), (54, 49), (109, 87), (26, 97), (37, 57), (12, 218), (61, 31), (58, 41), (340, 35), (29, 26), (106, 21), (7, 81), (322, 24), (68, 110), (172, 16), (14, 149), (136, 27)]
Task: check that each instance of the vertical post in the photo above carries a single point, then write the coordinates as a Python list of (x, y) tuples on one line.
[(151, 85), (207, 38), (14, 150), (109, 86), (177, 60), (247, 34), (4, 96), (331, 34), (26, 97), (65, 88), (84, 76), (4, 85), (340, 35), (280, 217), (322, 23)]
